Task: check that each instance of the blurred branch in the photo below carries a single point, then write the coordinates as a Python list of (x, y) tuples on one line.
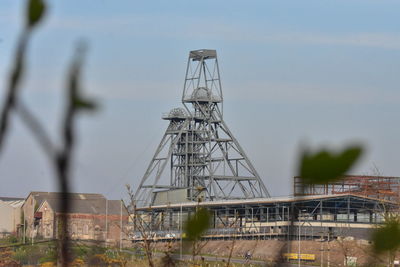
[(60, 158), (64, 157), (14, 82), (36, 129), (35, 10)]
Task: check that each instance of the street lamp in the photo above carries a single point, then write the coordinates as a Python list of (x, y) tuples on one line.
[(180, 226), (298, 254), (299, 248)]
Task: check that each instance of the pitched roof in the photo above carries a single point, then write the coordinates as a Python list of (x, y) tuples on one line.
[(41, 196), (10, 198), (89, 206), (57, 195), (13, 201)]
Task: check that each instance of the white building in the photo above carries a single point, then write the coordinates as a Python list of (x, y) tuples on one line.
[(10, 215)]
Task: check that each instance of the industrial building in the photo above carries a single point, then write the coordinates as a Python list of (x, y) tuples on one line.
[(199, 163), (311, 217), (10, 219)]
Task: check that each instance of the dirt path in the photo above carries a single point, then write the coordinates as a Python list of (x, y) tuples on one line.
[(271, 251)]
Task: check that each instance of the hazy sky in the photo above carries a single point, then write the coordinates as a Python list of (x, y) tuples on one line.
[(324, 73)]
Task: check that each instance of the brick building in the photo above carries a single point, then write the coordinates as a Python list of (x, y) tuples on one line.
[(91, 216)]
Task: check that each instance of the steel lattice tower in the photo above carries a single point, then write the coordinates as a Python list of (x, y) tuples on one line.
[(198, 157)]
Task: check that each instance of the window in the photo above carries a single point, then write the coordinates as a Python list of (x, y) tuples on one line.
[(85, 229), (74, 229)]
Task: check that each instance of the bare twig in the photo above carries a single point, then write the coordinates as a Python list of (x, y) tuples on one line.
[(147, 235), (232, 244)]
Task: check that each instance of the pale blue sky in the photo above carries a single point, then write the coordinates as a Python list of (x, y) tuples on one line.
[(322, 72)]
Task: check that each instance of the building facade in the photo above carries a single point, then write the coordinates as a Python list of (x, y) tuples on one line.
[(10, 215), (91, 217), (312, 217), (98, 220)]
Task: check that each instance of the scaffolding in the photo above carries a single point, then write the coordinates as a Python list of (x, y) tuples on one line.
[(198, 156), (379, 187)]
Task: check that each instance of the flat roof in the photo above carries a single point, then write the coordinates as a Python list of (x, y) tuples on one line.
[(197, 55), (271, 200)]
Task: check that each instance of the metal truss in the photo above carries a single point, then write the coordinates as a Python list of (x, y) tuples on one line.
[(379, 187), (336, 215), (198, 157)]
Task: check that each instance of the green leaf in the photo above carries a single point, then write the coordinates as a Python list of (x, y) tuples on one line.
[(325, 166), (197, 224), (35, 11), (387, 237), (80, 103)]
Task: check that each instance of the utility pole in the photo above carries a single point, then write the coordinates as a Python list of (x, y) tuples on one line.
[(329, 250), (322, 249), (322, 234), (24, 229), (120, 229), (298, 254), (180, 226), (33, 231), (106, 221)]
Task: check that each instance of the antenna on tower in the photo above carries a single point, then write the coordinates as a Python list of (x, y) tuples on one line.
[(198, 157)]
